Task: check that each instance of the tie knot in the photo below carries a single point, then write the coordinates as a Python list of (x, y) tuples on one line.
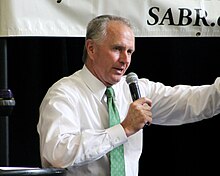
[(110, 92)]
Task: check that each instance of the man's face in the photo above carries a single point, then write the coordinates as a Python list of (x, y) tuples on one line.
[(112, 56)]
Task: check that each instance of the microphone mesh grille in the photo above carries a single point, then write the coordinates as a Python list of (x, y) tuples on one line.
[(131, 77)]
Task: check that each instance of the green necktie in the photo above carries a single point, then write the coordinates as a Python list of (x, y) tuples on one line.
[(117, 164)]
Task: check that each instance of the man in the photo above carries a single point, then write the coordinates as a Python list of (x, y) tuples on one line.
[(74, 122)]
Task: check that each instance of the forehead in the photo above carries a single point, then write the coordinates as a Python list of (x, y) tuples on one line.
[(119, 33)]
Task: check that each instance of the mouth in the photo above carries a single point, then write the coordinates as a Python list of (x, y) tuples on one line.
[(119, 71)]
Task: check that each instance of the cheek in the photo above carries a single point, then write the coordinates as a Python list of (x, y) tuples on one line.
[(113, 57), (106, 58)]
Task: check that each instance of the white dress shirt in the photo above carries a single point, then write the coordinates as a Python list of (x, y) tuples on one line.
[(73, 123)]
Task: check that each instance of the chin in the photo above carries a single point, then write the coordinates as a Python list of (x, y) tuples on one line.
[(117, 78)]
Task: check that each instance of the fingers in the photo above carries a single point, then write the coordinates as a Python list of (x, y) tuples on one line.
[(144, 100), (148, 113), (145, 107), (139, 114)]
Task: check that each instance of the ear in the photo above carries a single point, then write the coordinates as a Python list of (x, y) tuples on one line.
[(90, 45)]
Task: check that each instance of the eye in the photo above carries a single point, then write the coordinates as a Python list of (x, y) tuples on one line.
[(117, 48), (130, 52)]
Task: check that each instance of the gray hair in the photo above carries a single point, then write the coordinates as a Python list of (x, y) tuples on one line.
[(97, 29)]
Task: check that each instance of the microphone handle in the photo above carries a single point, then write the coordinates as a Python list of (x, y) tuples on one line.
[(135, 92)]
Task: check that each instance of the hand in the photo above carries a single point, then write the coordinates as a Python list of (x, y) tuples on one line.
[(138, 115)]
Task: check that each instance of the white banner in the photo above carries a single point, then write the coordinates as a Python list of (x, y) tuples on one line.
[(152, 18)]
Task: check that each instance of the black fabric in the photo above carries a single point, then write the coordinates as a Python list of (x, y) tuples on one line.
[(35, 63)]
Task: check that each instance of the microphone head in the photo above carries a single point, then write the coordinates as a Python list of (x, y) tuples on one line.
[(132, 78)]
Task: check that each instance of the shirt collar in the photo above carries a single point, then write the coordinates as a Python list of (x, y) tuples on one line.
[(94, 84)]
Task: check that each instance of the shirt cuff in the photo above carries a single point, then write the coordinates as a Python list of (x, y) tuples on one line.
[(117, 135)]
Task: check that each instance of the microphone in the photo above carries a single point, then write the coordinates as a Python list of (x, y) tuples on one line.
[(132, 80)]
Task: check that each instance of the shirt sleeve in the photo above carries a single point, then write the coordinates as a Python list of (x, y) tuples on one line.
[(65, 142), (182, 103)]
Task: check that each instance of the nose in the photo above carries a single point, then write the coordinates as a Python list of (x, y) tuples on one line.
[(125, 57)]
